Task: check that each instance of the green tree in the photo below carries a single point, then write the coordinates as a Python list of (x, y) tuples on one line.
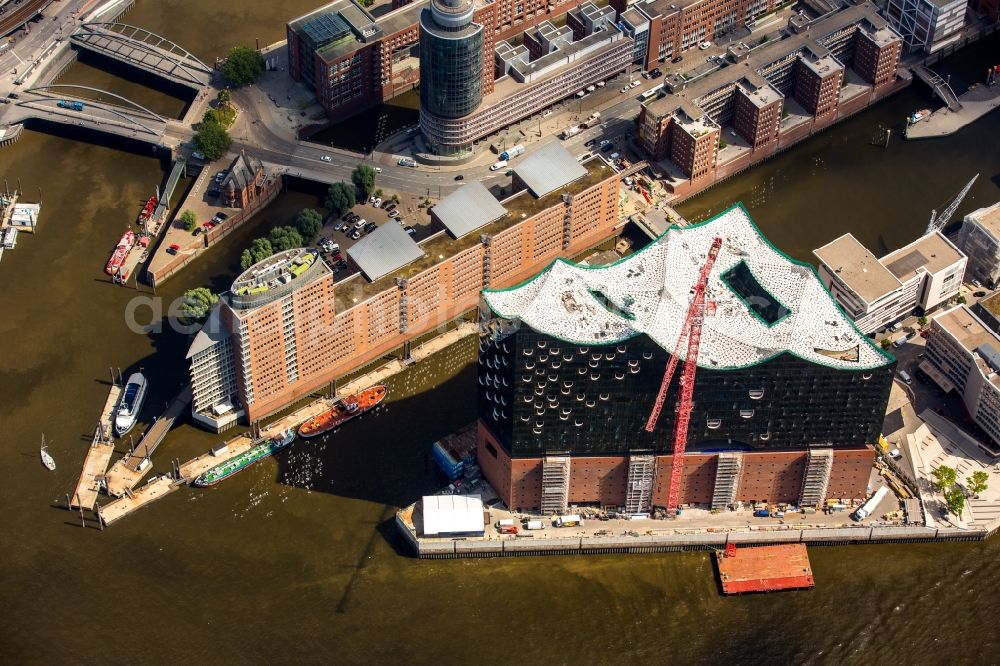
[(340, 198), (243, 66), (961, 299), (213, 140), (225, 97), (722, 143), (955, 499), (885, 343), (921, 321), (763, 40), (977, 482), (284, 238), (309, 222), (378, 192), (363, 178), (944, 478), (395, 198), (189, 220), (197, 304), (259, 250)]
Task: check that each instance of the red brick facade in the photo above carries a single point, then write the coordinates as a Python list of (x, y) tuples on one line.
[(772, 476)]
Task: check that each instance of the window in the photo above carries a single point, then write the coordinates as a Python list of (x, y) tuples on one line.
[(758, 300)]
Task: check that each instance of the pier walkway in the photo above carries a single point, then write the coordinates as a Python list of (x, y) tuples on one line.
[(976, 103), (127, 472), (178, 171), (158, 487), (106, 421), (143, 50), (94, 466)]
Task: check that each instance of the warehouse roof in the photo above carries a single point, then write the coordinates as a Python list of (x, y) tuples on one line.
[(549, 168), (764, 302), (468, 208), (384, 250), (448, 515)]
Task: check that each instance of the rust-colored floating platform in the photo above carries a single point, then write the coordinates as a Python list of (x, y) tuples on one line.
[(765, 569)]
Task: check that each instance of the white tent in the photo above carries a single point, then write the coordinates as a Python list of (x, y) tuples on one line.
[(453, 515)]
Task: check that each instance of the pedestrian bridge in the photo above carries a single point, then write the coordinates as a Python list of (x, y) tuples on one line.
[(143, 50), (101, 111)]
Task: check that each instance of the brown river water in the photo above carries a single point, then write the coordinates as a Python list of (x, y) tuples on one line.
[(296, 560)]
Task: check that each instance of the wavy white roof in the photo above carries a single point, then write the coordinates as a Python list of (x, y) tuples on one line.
[(655, 287)]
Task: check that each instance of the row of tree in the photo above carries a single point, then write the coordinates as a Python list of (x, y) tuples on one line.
[(945, 480), (307, 227)]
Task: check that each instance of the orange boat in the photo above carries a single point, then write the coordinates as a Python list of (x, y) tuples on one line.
[(342, 411)]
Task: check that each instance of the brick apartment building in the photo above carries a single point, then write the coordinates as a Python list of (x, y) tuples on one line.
[(806, 74), (284, 331)]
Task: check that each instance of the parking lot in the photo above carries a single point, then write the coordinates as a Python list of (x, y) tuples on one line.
[(340, 234)]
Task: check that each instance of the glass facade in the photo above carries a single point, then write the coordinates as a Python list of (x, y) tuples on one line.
[(541, 395), (451, 68)]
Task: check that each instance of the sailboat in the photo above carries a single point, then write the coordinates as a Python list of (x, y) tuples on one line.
[(47, 459)]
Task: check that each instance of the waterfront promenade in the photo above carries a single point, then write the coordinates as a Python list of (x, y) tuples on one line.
[(976, 103)]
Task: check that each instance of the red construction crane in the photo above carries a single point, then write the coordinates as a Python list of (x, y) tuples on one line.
[(691, 331)]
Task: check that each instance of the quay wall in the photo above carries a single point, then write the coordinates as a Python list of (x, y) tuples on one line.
[(690, 541)]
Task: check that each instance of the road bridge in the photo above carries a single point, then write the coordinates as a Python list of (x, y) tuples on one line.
[(143, 50), (101, 110)]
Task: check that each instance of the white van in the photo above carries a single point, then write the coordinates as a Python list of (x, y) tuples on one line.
[(901, 341), (502, 164), (905, 376)]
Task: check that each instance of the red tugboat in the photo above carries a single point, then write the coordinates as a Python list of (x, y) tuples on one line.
[(342, 411), (121, 251)]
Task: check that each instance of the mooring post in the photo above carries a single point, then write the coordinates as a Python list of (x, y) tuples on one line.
[(888, 133), (69, 507)]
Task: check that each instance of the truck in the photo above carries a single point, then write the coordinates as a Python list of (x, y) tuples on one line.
[(594, 117), (66, 104), (570, 132), (534, 525), (572, 520), (868, 507), (506, 522), (513, 152), (762, 513), (499, 165)]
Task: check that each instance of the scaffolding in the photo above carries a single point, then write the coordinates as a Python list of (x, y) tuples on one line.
[(639, 494), (729, 464), (555, 484), (819, 463)]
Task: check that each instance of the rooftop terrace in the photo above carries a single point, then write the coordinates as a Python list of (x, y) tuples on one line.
[(275, 277)]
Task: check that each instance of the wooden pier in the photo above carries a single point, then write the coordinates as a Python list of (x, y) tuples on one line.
[(106, 422), (94, 466), (127, 472), (157, 487)]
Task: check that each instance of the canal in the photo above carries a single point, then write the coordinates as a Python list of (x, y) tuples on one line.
[(296, 560)]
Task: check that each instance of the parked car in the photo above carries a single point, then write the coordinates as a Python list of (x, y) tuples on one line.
[(220, 217), (371, 198), (459, 177), (198, 155), (221, 176), (394, 213), (388, 204), (656, 73), (339, 225), (635, 84), (214, 192), (197, 231), (705, 45), (377, 203), (677, 59), (410, 230), (607, 147), (356, 234), (370, 227), (625, 89), (174, 247), (208, 225), (590, 144), (378, 169)]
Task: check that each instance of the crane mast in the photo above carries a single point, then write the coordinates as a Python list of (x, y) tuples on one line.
[(691, 334), (939, 222)]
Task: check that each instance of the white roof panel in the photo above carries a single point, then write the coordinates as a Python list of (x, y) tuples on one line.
[(468, 208), (452, 514), (649, 293), (549, 168), (384, 250)]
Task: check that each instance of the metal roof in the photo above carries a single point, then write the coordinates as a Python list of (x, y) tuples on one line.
[(549, 168), (211, 333), (468, 208), (384, 250)]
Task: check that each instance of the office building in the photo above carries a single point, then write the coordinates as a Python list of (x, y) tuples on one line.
[(927, 25), (286, 329), (979, 239), (788, 396), (875, 292), (963, 355)]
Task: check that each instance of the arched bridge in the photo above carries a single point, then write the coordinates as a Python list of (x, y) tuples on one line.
[(90, 108), (144, 50)]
